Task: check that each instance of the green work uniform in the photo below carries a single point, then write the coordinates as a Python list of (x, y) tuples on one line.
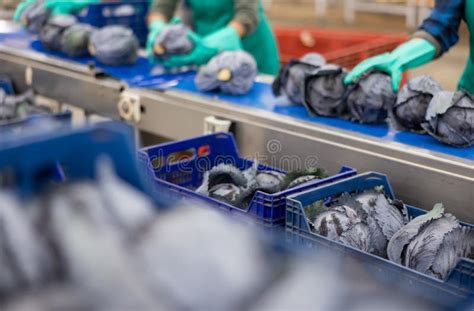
[(212, 15), (467, 80)]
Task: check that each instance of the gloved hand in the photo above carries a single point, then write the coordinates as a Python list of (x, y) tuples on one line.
[(21, 7), (225, 39), (411, 54), (67, 7), (154, 30)]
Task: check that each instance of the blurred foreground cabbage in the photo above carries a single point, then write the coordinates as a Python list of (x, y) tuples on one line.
[(102, 245)]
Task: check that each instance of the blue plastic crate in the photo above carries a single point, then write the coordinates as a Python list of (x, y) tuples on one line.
[(130, 13), (30, 123), (459, 285), (179, 167), (28, 161)]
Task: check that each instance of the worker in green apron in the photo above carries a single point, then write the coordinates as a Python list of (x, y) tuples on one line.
[(437, 34), (218, 25)]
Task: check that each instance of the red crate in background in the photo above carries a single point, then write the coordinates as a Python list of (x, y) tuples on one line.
[(343, 47)]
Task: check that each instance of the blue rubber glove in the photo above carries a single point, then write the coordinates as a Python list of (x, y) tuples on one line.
[(21, 7), (225, 39)]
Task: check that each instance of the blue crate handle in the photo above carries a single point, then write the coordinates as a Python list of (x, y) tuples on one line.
[(345, 171), (76, 149), (359, 182)]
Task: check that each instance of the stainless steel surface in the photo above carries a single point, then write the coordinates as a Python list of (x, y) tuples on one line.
[(71, 83), (129, 107), (419, 177)]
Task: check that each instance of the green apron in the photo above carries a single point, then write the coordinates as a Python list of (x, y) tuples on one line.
[(467, 80), (211, 15)]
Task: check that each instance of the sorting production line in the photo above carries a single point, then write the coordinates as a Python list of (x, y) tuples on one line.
[(354, 165), (422, 170)]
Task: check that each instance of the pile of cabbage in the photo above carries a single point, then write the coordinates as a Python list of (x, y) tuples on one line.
[(370, 221), (291, 77), (102, 245), (19, 106), (420, 106), (229, 184), (111, 45), (320, 88)]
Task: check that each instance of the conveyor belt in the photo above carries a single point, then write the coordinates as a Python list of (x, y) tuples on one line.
[(261, 97), (421, 170), (144, 74), (137, 74)]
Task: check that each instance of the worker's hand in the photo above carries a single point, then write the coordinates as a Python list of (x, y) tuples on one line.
[(155, 29), (226, 39), (199, 55), (411, 54), (21, 7), (385, 62), (67, 7)]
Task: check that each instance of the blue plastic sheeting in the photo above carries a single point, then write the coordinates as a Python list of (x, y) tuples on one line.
[(144, 74)]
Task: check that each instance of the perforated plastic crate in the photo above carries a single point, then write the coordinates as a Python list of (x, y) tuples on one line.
[(29, 160), (130, 13), (459, 285), (344, 47), (179, 167), (16, 128)]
